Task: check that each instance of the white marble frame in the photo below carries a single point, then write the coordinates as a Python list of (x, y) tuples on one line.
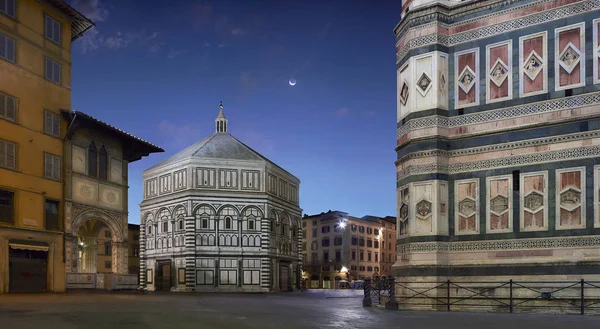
[(400, 82), (417, 75), (596, 196), (477, 206), (522, 58), (442, 70), (476, 70), (398, 201), (557, 52), (582, 198), (412, 208), (595, 52), (488, 222), (488, 67), (522, 177)]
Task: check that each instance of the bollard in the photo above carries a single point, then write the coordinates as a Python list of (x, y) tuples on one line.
[(367, 302), (391, 304)]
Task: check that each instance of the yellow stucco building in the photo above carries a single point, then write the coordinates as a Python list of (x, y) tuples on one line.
[(35, 84)]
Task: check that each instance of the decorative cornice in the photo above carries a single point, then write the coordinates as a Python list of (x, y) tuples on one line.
[(521, 244)]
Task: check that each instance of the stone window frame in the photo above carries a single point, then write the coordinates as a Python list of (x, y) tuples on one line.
[(488, 67), (546, 209), (557, 225), (477, 204), (488, 203), (544, 35), (477, 77), (597, 196), (596, 45), (557, 52)]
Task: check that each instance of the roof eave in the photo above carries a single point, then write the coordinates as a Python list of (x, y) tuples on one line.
[(79, 23)]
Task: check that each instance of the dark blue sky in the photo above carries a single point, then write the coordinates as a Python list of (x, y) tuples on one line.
[(158, 69)]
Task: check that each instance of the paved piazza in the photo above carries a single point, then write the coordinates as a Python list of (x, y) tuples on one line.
[(291, 310)]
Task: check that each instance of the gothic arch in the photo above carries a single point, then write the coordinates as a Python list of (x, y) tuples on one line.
[(252, 207), (112, 223), (210, 207)]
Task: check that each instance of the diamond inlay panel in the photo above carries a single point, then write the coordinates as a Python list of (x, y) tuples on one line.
[(533, 66), (466, 79), (569, 58), (424, 84), (499, 73)]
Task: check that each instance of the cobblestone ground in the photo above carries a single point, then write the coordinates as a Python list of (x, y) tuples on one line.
[(313, 309)]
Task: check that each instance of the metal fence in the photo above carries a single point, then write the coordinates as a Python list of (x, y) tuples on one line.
[(508, 296)]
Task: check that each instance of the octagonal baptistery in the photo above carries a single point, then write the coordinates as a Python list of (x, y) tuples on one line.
[(218, 216)]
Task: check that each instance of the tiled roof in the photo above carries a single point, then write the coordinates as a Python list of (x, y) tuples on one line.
[(79, 23), (123, 133), (217, 146)]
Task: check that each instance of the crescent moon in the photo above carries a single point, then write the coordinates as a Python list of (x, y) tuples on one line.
[(292, 82)]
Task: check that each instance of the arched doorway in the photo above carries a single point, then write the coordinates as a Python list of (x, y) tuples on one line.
[(96, 250)]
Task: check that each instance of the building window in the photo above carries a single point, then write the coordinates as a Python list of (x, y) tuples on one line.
[(92, 160), (361, 242), (6, 206), (166, 227), (361, 229), (204, 222), (314, 245), (102, 163), (376, 232), (325, 229), (8, 104), (325, 256), (353, 227), (53, 71), (383, 256), (314, 233), (53, 29), (8, 7), (251, 224), (362, 255), (51, 123), (7, 47), (303, 246), (361, 268), (314, 222), (369, 269), (51, 166), (376, 244), (303, 224), (325, 242), (338, 256), (369, 243), (376, 257), (353, 268), (51, 212), (376, 269), (149, 229), (107, 234), (369, 256), (107, 264), (337, 241), (204, 277), (304, 234), (353, 254), (325, 268), (108, 248), (136, 252), (354, 241), (369, 230), (8, 155), (181, 224), (181, 275), (228, 223)]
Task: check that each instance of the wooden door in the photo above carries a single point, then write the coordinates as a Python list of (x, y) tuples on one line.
[(284, 278), (163, 277)]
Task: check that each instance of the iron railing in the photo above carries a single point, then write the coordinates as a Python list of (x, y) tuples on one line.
[(507, 296)]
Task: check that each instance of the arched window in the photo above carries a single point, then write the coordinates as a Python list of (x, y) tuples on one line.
[(251, 223), (92, 160), (103, 164), (228, 222)]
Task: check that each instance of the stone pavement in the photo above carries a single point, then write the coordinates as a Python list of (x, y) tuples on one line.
[(312, 309)]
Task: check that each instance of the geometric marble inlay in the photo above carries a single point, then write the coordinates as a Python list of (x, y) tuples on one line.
[(533, 202), (499, 72), (423, 208), (498, 205), (424, 84), (570, 199), (466, 80), (569, 58), (533, 65), (466, 207), (404, 93)]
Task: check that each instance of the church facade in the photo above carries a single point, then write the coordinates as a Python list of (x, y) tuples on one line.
[(498, 134), (218, 216)]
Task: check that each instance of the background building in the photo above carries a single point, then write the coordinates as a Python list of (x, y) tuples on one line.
[(97, 156), (134, 249), (336, 246), (218, 216), (35, 59), (498, 126)]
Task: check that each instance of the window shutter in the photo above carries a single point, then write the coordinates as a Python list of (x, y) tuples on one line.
[(47, 122), (48, 69), (55, 125), (3, 154), (3, 105), (3, 43), (11, 158), (56, 167), (48, 165), (10, 49)]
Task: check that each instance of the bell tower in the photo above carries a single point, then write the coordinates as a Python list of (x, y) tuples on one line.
[(221, 121)]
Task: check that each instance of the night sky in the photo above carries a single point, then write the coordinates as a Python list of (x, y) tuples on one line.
[(158, 70)]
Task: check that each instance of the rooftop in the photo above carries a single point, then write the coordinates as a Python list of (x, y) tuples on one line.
[(133, 147), (336, 214), (79, 23)]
